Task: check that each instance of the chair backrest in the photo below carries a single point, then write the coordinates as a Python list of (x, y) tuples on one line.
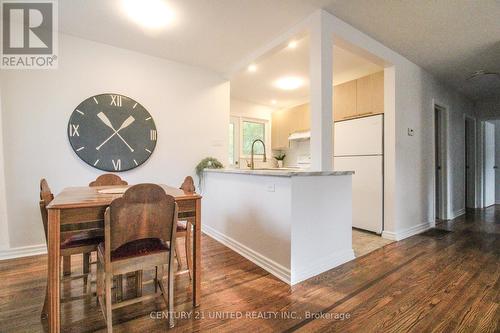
[(46, 197), (108, 179), (144, 211), (188, 185)]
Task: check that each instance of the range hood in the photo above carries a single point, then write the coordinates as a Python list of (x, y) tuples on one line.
[(299, 136)]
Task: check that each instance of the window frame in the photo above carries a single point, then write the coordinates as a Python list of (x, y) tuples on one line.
[(264, 122)]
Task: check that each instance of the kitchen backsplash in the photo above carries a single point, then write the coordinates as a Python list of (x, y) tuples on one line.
[(298, 154)]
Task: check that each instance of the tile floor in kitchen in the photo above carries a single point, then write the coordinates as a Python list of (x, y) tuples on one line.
[(364, 242)]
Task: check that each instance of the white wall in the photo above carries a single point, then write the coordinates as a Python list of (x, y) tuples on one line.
[(488, 108), (190, 107), (4, 227), (415, 154), (240, 108)]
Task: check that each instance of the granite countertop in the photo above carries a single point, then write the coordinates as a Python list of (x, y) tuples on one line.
[(281, 172)]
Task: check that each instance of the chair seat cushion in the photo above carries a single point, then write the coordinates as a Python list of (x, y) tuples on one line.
[(81, 239), (181, 225), (137, 248)]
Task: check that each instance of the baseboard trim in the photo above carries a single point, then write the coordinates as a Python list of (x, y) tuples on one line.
[(414, 230), (322, 265), (457, 213), (23, 251), (269, 265)]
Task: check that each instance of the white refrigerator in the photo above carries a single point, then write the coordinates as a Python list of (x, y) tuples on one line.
[(358, 146)]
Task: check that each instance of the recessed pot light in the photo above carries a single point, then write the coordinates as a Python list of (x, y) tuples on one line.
[(273, 102), (151, 14), (252, 68), (289, 83), (292, 44)]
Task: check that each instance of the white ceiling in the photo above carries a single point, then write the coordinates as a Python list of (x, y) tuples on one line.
[(448, 38), (258, 87)]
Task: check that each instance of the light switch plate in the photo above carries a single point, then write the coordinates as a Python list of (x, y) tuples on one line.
[(270, 188)]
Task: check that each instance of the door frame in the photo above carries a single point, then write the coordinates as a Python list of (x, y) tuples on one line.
[(481, 164), (474, 162), (444, 209)]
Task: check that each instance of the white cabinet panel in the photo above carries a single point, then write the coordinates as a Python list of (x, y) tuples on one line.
[(367, 190), (362, 136)]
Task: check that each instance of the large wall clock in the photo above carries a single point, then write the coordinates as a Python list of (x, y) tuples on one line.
[(112, 132)]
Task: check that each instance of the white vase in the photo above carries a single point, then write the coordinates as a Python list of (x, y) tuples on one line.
[(280, 164)]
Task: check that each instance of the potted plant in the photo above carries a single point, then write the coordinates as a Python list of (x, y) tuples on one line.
[(207, 163), (280, 158)]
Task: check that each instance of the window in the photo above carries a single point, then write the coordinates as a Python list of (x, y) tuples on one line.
[(252, 130)]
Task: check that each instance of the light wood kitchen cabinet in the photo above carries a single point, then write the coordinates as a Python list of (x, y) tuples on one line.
[(344, 100), (281, 128), (299, 118), (370, 94), (286, 122), (378, 92)]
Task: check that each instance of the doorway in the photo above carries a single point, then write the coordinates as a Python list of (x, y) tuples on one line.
[(470, 162), (489, 164), (440, 161)]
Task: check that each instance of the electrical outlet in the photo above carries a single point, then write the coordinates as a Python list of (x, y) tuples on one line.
[(411, 132)]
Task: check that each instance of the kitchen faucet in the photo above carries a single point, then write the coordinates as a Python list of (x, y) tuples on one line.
[(252, 165)]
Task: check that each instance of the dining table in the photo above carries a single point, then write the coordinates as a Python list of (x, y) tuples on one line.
[(75, 205)]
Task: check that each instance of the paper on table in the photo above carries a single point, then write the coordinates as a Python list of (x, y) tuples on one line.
[(115, 190)]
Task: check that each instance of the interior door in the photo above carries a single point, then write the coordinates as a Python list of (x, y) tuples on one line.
[(470, 161), (489, 164), (438, 161), (497, 162)]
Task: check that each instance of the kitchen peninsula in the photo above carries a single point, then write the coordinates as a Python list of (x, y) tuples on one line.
[(294, 224)]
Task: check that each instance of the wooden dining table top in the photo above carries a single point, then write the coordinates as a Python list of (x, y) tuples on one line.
[(86, 196)]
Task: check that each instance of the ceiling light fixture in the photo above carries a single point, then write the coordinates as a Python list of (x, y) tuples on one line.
[(481, 73), (151, 14), (289, 83), (292, 44), (252, 68), (273, 102)]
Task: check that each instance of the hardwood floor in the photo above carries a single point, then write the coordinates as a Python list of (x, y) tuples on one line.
[(445, 280)]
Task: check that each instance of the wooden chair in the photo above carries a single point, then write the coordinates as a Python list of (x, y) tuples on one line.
[(184, 228), (83, 240), (108, 179), (139, 233)]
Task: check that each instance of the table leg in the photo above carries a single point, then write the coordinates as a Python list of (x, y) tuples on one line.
[(54, 282), (197, 255), (67, 265)]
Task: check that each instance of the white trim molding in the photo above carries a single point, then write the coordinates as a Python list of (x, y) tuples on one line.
[(269, 265), (23, 251), (457, 213), (323, 264), (411, 231)]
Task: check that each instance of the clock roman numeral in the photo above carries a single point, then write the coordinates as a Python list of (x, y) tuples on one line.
[(117, 165), (73, 130), (152, 135), (116, 100)]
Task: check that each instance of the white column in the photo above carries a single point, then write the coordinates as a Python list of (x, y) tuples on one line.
[(321, 89)]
